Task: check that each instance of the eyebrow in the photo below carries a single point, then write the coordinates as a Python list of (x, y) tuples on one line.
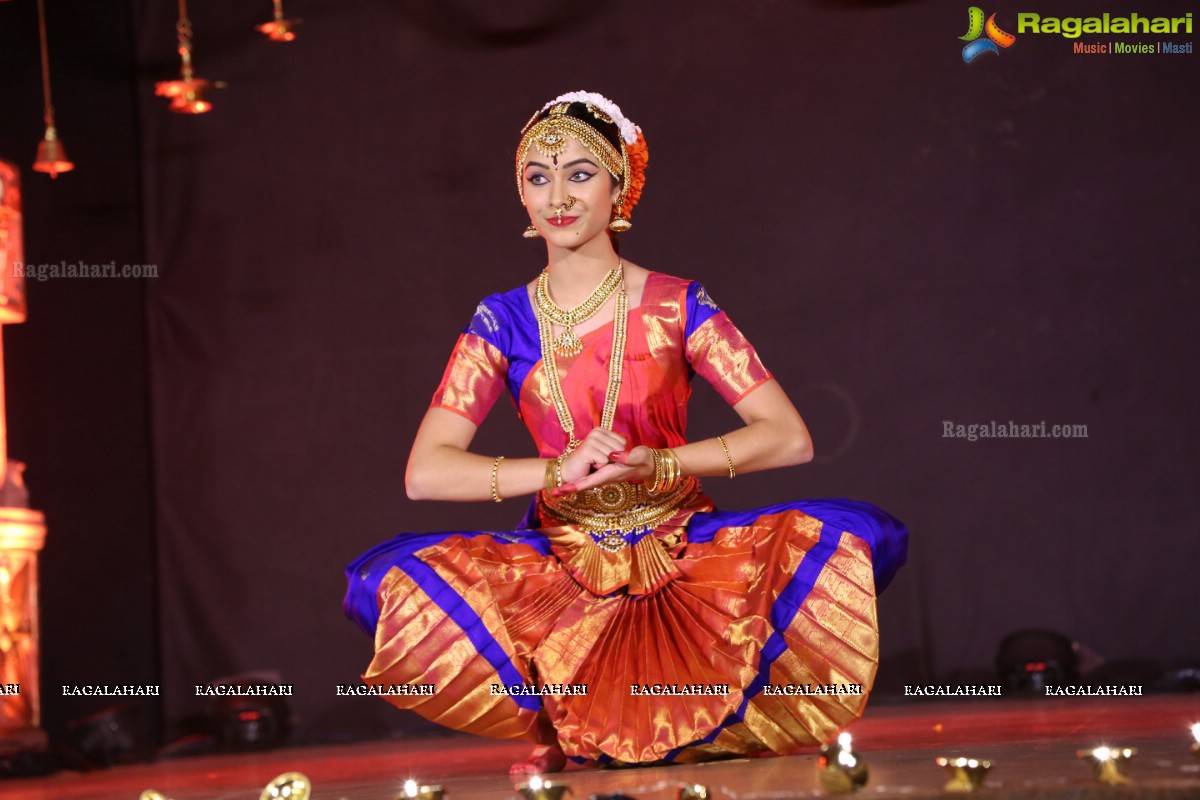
[(570, 164)]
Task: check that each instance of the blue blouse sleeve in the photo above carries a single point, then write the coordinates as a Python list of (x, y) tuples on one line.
[(475, 374), (717, 350)]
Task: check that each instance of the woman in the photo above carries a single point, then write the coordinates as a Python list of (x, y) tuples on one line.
[(626, 621)]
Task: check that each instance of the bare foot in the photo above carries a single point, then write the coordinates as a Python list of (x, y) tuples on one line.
[(545, 758)]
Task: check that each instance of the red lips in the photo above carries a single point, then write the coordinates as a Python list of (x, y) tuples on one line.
[(561, 223)]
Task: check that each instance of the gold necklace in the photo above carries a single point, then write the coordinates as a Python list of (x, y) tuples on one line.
[(567, 343), (615, 362)]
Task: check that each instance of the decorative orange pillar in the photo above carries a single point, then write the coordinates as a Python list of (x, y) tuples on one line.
[(22, 530)]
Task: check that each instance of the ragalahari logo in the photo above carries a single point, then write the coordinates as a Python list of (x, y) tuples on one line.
[(995, 40)]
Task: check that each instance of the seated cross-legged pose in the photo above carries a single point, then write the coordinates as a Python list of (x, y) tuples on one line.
[(626, 620)]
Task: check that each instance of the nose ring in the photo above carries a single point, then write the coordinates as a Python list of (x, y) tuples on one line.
[(567, 206)]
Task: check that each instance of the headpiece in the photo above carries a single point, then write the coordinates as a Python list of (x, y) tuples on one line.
[(598, 124)]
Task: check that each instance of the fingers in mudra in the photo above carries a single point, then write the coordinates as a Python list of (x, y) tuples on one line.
[(591, 454), (625, 465), (605, 441)]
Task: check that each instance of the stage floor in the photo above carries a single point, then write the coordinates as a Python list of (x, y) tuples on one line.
[(1032, 744)]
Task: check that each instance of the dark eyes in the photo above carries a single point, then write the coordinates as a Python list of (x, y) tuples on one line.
[(578, 176)]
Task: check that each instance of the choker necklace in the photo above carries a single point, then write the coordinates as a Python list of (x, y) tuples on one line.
[(567, 343), (615, 362)]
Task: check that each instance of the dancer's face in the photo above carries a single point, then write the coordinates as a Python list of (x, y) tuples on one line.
[(549, 186)]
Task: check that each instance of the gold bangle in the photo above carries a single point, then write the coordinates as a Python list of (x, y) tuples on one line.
[(676, 473), (657, 478), (668, 472), (728, 458), (496, 474), (554, 478)]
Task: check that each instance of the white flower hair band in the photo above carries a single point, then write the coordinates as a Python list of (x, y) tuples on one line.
[(629, 131)]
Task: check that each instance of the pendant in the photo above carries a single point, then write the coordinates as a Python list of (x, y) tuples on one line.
[(613, 542), (568, 344)]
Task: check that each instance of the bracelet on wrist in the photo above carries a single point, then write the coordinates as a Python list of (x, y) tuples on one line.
[(554, 478), (728, 458), (668, 472), (495, 476), (657, 475)]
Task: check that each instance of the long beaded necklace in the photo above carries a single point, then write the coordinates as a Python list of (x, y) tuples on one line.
[(568, 344), (615, 362)]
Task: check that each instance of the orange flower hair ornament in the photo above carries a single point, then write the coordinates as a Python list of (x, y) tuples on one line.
[(626, 162)]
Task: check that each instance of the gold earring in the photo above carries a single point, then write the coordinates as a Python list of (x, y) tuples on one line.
[(531, 232), (619, 224)]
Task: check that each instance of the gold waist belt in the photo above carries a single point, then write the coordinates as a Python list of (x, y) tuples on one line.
[(619, 507)]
